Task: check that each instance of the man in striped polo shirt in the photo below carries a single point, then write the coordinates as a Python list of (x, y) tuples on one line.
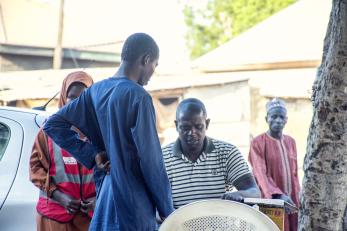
[(200, 167)]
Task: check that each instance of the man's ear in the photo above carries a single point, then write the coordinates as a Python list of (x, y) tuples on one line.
[(146, 59), (176, 125), (207, 123)]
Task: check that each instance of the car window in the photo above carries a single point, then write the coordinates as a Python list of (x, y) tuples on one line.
[(4, 138)]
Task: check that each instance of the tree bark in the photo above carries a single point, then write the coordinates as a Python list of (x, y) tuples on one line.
[(324, 194)]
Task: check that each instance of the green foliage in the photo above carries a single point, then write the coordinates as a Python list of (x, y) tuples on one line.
[(221, 20)]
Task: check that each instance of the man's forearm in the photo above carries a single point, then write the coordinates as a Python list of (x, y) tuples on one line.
[(60, 131), (251, 193), (247, 186)]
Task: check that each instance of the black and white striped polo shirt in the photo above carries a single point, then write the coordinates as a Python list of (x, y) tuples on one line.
[(217, 167)]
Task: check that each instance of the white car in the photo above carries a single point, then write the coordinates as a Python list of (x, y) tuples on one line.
[(18, 196)]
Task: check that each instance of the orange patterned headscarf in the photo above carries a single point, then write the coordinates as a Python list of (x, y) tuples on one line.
[(74, 77)]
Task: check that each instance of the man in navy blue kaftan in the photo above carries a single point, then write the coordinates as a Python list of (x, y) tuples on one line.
[(117, 115)]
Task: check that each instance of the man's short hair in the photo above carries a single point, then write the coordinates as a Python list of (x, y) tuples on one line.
[(139, 44), (193, 105)]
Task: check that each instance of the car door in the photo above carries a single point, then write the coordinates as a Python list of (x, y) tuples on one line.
[(11, 141)]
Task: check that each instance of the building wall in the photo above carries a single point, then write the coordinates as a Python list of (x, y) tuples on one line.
[(20, 63), (228, 108), (26, 62), (237, 113), (31, 103)]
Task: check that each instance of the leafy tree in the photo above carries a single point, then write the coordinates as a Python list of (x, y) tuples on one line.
[(220, 20)]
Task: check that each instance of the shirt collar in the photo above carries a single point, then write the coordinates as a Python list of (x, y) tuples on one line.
[(208, 147)]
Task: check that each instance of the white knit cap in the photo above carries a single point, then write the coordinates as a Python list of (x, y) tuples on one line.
[(276, 102)]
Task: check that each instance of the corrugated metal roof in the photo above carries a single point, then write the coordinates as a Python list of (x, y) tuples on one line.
[(67, 53), (45, 83)]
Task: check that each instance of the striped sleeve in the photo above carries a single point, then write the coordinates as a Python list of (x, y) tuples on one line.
[(236, 165), (167, 159)]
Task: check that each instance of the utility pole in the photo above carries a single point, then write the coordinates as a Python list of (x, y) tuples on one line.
[(57, 58), (3, 23)]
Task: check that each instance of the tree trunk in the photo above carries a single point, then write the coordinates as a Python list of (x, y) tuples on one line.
[(324, 193)]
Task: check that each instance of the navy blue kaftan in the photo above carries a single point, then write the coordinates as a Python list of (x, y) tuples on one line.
[(117, 115)]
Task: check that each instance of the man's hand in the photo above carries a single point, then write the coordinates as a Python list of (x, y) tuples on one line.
[(88, 205), (102, 162), (286, 199), (159, 219), (283, 197), (233, 196), (70, 204)]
